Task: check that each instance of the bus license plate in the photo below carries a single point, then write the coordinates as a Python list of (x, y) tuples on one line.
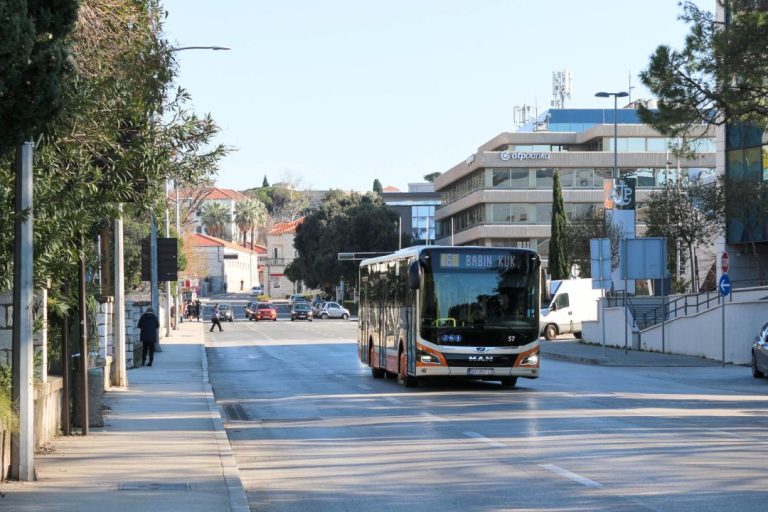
[(479, 371)]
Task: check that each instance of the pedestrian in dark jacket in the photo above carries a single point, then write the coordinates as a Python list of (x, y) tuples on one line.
[(216, 318), (149, 325)]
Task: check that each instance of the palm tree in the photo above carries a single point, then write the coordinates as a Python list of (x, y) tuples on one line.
[(250, 215), (215, 218)]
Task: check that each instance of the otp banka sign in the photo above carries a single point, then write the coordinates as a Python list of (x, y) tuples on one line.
[(620, 194)]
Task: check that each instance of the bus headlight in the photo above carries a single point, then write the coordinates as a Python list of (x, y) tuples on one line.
[(426, 357), (531, 360)]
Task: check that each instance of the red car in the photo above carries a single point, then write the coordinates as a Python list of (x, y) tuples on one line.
[(264, 311)]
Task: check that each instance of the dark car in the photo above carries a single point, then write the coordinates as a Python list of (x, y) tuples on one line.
[(301, 311), (760, 353), (264, 311)]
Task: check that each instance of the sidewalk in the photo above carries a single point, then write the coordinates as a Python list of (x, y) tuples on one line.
[(163, 446), (572, 349)]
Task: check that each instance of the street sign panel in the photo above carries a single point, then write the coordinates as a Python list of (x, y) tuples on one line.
[(600, 262), (724, 262), (724, 285)]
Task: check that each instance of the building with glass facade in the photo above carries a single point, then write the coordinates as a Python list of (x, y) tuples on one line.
[(416, 209), (501, 195)]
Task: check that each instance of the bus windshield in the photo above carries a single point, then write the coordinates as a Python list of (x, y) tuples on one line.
[(463, 298)]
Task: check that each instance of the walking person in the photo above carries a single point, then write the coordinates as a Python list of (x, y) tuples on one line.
[(215, 318), (149, 326)]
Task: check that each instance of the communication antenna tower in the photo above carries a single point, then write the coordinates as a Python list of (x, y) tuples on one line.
[(561, 88), (521, 115)]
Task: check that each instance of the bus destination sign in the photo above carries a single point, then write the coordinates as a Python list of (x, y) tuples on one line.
[(469, 260)]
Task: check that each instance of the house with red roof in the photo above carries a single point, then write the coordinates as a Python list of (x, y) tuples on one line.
[(225, 266), (194, 202), (280, 253)]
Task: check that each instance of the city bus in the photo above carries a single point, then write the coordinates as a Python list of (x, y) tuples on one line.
[(469, 312)]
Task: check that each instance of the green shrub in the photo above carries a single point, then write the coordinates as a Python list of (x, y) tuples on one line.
[(8, 420)]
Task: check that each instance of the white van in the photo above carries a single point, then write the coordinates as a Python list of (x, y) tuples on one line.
[(573, 302)]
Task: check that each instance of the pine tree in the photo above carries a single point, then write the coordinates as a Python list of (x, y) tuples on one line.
[(377, 186), (558, 259), (265, 183)]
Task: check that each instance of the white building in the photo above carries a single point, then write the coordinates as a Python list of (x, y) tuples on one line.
[(228, 267)]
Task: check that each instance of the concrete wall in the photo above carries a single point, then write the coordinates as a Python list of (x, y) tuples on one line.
[(48, 408), (702, 334), (698, 334)]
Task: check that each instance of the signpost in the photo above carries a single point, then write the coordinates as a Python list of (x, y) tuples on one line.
[(724, 286)]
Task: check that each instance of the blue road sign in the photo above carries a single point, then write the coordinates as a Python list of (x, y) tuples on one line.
[(724, 285)]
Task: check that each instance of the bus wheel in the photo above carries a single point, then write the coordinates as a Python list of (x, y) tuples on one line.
[(407, 380), (376, 373), (550, 332), (508, 382)]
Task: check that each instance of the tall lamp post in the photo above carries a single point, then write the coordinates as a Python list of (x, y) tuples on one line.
[(155, 296), (616, 96)]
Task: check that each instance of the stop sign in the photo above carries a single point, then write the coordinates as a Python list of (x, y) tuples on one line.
[(724, 262)]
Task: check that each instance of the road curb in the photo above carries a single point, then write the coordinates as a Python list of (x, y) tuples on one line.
[(238, 500), (574, 359)]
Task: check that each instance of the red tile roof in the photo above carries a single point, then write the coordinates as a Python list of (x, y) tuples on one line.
[(201, 240), (390, 189), (282, 228), (212, 193)]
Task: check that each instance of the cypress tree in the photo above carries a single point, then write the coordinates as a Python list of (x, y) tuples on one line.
[(265, 183), (377, 186), (558, 259)]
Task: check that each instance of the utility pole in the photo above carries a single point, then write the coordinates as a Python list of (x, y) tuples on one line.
[(23, 441), (121, 376)]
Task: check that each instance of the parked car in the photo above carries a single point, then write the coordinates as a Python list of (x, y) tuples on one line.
[(301, 311), (760, 353), (226, 314), (264, 311), (317, 308), (293, 299), (334, 310), (257, 290), (250, 310)]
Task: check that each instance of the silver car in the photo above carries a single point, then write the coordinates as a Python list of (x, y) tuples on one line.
[(225, 313), (333, 310), (760, 353)]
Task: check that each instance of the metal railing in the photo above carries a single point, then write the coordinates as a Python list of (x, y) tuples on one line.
[(648, 311)]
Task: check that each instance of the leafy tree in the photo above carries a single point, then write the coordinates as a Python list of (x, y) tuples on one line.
[(265, 183), (282, 203), (34, 61), (431, 176), (720, 76), (681, 216), (580, 230), (377, 186), (558, 259), (342, 223), (215, 219)]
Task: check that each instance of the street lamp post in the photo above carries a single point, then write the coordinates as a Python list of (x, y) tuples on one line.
[(153, 238), (616, 96)]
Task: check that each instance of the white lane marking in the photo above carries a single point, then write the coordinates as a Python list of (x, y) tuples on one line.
[(484, 439), (392, 400), (364, 387), (573, 476), (432, 417)]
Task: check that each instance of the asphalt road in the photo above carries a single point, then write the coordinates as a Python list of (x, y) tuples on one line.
[(313, 431)]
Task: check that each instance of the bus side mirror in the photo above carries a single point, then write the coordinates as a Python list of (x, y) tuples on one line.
[(413, 275)]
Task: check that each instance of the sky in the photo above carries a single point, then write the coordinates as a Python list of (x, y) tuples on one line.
[(337, 93)]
